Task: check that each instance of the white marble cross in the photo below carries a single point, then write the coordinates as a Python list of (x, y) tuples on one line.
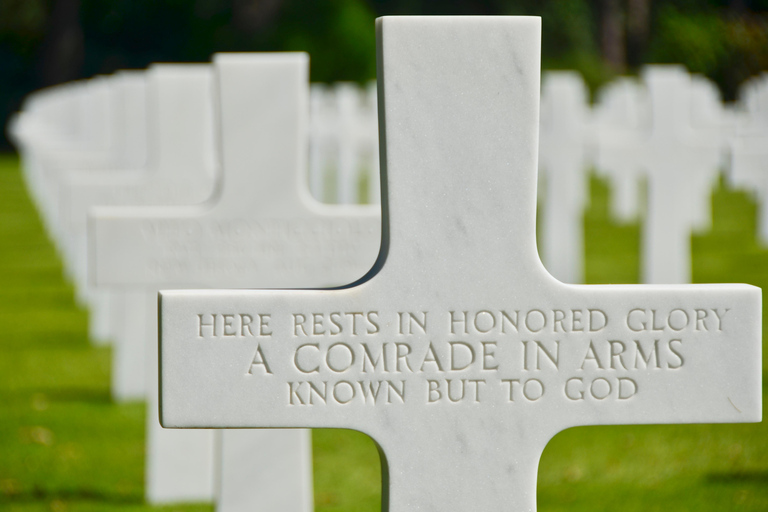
[(371, 144), (47, 123), (321, 115), (262, 229), (128, 125), (712, 123), (356, 136), (260, 226), (348, 103), (564, 158), (179, 170), (85, 141), (131, 117), (618, 117), (749, 149), (458, 353), (749, 169), (89, 149), (680, 162), (344, 143)]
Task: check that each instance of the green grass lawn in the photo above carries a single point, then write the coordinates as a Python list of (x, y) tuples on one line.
[(64, 446)]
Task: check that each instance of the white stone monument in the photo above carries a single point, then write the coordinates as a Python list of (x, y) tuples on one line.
[(459, 354), (128, 149), (262, 229), (564, 160), (749, 149), (246, 232), (348, 101), (321, 141), (179, 170), (60, 130), (618, 117), (41, 127), (93, 150), (369, 142), (356, 140), (749, 169), (712, 123), (343, 156), (680, 162)]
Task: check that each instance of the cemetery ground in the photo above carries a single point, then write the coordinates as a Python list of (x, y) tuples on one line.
[(64, 446)]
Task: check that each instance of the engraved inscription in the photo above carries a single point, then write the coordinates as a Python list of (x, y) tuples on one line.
[(504, 356), (228, 325)]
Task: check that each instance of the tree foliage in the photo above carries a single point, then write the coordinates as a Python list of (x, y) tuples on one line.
[(43, 42)]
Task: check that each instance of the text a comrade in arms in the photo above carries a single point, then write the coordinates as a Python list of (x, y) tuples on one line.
[(458, 323)]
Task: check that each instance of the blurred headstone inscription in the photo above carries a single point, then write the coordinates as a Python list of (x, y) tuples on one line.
[(459, 354)]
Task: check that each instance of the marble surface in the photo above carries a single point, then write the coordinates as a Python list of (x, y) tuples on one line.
[(459, 354)]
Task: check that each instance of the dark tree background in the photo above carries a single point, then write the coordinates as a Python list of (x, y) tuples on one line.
[(46, 42)]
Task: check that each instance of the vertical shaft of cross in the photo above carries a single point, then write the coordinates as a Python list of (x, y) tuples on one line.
[(254, 91), (681, 163), (132, 89), (466, 485), (438, 102), (174, 120)]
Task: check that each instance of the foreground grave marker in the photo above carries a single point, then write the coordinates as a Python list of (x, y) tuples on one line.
[(459, 354)]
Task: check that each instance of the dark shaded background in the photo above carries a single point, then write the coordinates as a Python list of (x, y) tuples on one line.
[(46, 42)]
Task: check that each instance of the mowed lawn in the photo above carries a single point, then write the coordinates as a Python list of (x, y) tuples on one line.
[(64, 446)]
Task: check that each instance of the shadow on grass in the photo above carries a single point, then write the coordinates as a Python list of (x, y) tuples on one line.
[(83, 395), (37, 494), (63, 394), (739, 477)]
